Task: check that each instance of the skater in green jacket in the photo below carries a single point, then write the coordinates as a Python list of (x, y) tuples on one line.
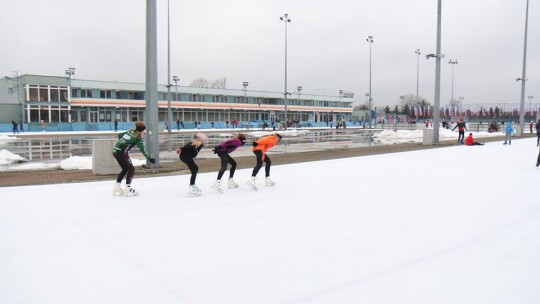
[(126, 141)]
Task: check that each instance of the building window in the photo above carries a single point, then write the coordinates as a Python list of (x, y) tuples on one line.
[(63, 95), (55, 96), (86, 93), (33, 94), (105, 94), (217, 98), (43, 94)]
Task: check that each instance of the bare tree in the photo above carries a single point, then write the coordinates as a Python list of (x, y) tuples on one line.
[(200, 83), (220, 83)]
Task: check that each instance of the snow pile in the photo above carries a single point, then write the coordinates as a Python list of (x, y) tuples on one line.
[(4, 138), (287, 133), (33, 166), (7, 158), (77, 163)]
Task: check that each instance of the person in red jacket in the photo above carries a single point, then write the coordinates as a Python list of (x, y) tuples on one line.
[(469, 141), (461, 129), (260, 147)]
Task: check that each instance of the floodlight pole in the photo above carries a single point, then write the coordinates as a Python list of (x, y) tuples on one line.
[(437, 78), (151, 112), (285, 19), (523, 77)]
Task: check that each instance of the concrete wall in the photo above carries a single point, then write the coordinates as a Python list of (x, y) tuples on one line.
[(103, 161)]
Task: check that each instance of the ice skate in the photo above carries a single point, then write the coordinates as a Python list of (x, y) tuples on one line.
[(232, 183), (194, 191), (268, 182), (251, 183), (117, 189), (128, 191), (217, 186)]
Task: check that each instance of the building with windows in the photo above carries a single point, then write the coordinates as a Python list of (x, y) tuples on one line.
[(62, 100)]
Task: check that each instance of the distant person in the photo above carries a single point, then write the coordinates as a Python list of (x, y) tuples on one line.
[(260, 147), (187, 155), (461, 129), (166, 126), (538, 133), (15, 127), (42, 125), (128, 140), (178, 124), (116, 125), (21, 125), (469, 141), (531, 124), (508, 131), (223, 150)]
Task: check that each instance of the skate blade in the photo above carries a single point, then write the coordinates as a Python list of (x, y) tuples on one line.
[(194, 194), (220, 190)]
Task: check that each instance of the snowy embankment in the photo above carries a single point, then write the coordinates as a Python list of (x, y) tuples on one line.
[(389, 137)]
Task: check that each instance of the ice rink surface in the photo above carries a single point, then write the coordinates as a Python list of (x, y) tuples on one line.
[(449, 225)]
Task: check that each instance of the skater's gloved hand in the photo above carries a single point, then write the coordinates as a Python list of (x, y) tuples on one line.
[(152, 160)]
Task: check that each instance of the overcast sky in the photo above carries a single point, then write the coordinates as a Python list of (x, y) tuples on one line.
[(244, 40)]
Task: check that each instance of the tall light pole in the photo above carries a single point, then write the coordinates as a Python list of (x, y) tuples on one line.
[(530, 104), (175, 79), (245, 85), (69, 73), (151, 93), (437, 56), (417, 52), (453, 63), (169, 109), (285, 19), (523, 76), (370, 41), (299, 89)]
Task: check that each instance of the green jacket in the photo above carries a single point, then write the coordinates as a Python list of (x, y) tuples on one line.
[(127, 140)]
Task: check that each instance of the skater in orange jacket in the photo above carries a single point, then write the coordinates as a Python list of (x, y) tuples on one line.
[(260, 147)]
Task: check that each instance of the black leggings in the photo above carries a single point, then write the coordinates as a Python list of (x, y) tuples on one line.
[(461, 136), (127, 167), (226, 159), (267, 160), (193, 168)]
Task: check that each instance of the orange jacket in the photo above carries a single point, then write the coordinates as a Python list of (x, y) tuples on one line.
[(469, 141), (265, 143)]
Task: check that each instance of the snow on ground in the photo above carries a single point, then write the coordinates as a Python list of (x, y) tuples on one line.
[(389, 137), (450, 225), (7, 158)]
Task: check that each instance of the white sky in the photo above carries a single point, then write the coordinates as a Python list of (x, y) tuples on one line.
[(377, 229), (244, 41)]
